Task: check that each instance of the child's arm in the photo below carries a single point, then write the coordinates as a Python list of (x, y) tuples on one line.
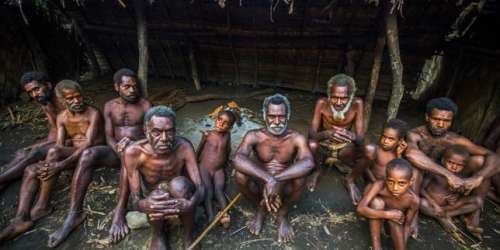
[(438, 209), (369, 155), (364, 208), (202, 144), (370, 175), (410, 214)]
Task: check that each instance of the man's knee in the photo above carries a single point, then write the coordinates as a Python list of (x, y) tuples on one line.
[(30, 171), (377, 204), (53, 153), (241, 178), (181, 187), (313, 145), (87, 158)]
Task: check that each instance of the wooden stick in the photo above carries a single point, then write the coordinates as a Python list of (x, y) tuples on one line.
[(215, 221)]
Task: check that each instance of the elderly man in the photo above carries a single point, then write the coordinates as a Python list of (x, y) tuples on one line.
[(78, 128), (164, 157), (274, 180), (427, 143), (39, 88), (123, 118), (331, 133)]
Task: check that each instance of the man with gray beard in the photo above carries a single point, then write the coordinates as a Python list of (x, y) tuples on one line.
[(275, 178), (331, 138)]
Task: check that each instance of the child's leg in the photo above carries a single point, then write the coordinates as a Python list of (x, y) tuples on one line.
[(376, 224), (209, 191), (445, 221), (397, 235), (219, 181)]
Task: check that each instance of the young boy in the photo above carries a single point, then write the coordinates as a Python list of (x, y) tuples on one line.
[(441, 202), (376, 156), (213, 154), (393, 201)]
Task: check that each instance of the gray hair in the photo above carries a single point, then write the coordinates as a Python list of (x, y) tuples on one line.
[(276, 99), (341, 80), (66, 84), (159, 111)]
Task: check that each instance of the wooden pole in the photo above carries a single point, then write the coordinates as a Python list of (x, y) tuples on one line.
[(142, 44), (396, 65), (194, 69), (372, 86), (214, 222)]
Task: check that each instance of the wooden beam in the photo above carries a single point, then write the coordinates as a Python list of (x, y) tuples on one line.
[(142, 44), (392, 35)]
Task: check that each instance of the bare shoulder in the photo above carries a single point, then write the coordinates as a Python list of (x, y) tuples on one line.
[(370, 150), (183, 143), (357, 103), (145, 103), (415, 134), (136, 149), (321, 102), (93, 110), (297, 136)]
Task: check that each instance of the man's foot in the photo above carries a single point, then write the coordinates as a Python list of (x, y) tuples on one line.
[(17, 227), (225, 220), (72, 221), (38, 213), (414, 228), (285, 231), (475, 230), (448, 225), (119, 229), (354, 192), (255, 224), (312, 181)]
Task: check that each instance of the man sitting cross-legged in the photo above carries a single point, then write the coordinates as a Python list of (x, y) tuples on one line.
[(38, 87), (441, 202), (164, 157), (78, 128), (123, 124), (274, 180)]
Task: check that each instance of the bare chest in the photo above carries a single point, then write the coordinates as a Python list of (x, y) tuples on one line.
[(76, 127), (328, 120), (282, 151), (127, 115), (155, 169)]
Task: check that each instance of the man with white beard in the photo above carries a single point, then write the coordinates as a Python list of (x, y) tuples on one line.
[(274, 179), (332, 139)]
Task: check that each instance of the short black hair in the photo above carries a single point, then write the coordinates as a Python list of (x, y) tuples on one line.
[(441, 103), (399, 164), (398, 125), (30, 76), (117, 77), (456, 150), (159, 111)]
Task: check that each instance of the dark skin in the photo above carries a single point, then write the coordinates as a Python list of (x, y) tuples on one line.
[(324, 128), (213, 153), (442, 203), (393, 201), (42, 93), (426, 144), (77, 129), (163, 157), (274, 180), (492, 142), (376, 156), (123, 118)]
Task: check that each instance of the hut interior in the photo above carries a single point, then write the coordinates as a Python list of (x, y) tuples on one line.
[(401, 54)]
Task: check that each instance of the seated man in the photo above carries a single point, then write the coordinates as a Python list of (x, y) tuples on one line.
[(123, 118), (78, 128), (441, 202), (492, 142), (376, 156), (331, 137), (393, 201), (427, 143), (213, 155), (274, 180), (38, 87), (164, 157)]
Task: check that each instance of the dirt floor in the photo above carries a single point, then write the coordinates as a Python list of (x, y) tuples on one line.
[(324, 219)]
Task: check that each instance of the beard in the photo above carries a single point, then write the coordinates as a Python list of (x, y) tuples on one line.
[(76, 108), (131, 98), (276, 129), (339, 115), (43, 100), (436, 131), (161, 147)]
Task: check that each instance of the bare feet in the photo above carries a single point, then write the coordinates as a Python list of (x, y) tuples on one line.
[(72, 221), (414, 227), (119, 228), (285, 231), (225, 220), (255, 224), (476, 231), (312, 181), (17, 227), (38, 213), (448, 224)]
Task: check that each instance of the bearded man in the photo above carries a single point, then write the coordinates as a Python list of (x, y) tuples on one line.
[(40, 89), (331, 138), (274, 180)]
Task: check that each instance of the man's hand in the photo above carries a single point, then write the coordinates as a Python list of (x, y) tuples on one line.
[(271, 195), (456, 183), (472, 183), (158, 206), (396, 216), (401, 148), (341, 135), (183, 205), (47, 170), (122, 144)]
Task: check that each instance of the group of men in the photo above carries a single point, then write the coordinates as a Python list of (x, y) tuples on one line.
[(406, 172)]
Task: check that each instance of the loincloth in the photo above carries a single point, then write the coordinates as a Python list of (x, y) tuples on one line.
[(332, 156)]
